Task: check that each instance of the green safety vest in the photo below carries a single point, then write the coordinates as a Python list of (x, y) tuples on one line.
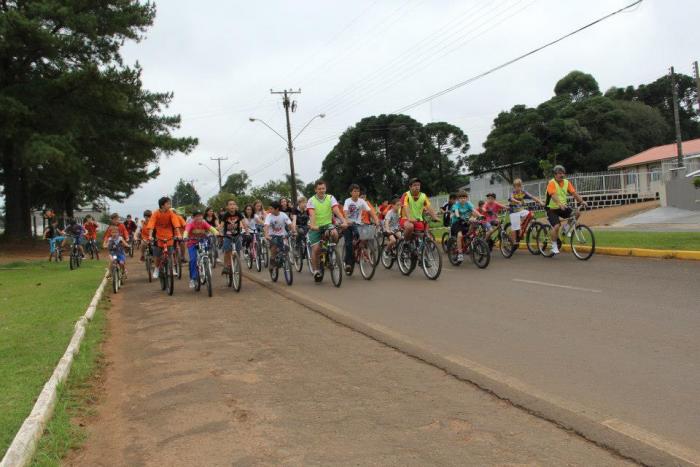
[(323, 210), (561, 194), (416, 207)]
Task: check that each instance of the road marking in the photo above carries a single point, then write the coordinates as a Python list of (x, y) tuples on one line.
[(560, 286), (687, 454)]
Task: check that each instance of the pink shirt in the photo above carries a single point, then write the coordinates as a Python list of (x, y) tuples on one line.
[(492, 211), (196, 231)]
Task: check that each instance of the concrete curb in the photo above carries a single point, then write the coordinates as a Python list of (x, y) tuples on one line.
[(501, 386), (23, 447)]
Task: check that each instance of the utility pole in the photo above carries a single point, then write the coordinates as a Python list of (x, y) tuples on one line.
[(697, 81), (290, 147), (676, 118), (218, 160)]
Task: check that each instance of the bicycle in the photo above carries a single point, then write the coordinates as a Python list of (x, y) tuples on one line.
[(204, 266), (166, 270), (364, 250), (116, 270), (148, 260), (473, 244), (75, 257), (233, 275), (264, 252), (282, 260), (421, 248), (57, 254), (253, 252), (329, 258), (531, 226), (131, 245), (213, 251), (388, 255), (177, 264), (581, 238), (91, 247), (299, 250)]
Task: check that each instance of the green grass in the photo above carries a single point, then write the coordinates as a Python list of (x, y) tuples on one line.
[(39, 305), (76, 398), (650, 240)]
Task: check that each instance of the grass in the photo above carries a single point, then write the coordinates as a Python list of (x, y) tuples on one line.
[(76, 398), (39, 305), (650, 240)]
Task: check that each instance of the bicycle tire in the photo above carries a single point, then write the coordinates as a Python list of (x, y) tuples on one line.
[(265, 255), (531, 237), (335, 266), (207, 278), (288, 270), (258, 257), (163, 277), (115, 279), (505, 241), (445, 238), (431, 248), (178, 264), (72, 261), (481, 255), (171, 275), (249, 259), (544, 239), (368, 264), (236, 277), (387, 258), (452, 255), (149, 268), (587, 251), (299, 255)]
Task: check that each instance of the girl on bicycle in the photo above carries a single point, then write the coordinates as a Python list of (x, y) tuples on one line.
[(248, 225), (115, 244)]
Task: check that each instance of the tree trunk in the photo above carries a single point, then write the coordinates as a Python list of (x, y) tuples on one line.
[(69, 204), (17, 204)]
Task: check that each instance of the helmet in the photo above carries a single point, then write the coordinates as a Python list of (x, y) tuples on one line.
[(559, 168)]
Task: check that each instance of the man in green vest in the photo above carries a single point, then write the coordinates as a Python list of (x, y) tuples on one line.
[(321, 208), (558, 190), (413, 204)]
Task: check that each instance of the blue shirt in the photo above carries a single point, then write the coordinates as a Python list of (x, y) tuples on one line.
[(461, 211)]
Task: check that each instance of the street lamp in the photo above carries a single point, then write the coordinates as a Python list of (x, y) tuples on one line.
[(290, 147)]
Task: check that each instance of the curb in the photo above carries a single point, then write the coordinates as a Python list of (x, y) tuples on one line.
[(595, 430), (23, 447)]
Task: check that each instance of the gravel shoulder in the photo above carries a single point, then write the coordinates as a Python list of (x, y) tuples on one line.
[(255, 379)]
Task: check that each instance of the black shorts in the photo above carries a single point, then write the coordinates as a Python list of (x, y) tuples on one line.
[(554, 215), (457, 226)]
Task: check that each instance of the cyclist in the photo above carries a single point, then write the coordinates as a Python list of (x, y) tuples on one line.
[(75, 231), (414, 203), (248, 225), (114, 223), (517, 211), (366, 215), (167, 226), (462, 212), (558, 189), (131, 226), (354, 208), (321, 208), (115, 242), (140, 232), (276, 224), (391, 223), (54, 235), (446, 209), (230, 225), (211, 217), (196, 230), (300, 216), (90, 226), (492, 208)]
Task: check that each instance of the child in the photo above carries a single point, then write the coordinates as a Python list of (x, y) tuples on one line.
[(391, 223), (76, 232), (462, 211), (230, 225), (90, 227), (54, 235), (492, 209), (115, 245), (517, 212), (276, 224), (196, 230), (446, 210)]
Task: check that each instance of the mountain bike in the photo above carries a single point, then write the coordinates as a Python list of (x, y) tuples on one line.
[(75, 257), (473, 244), (91, 248), (531, 227), (421, 248), (115, 269), (233, 275), (388, 255), (204, 266), (282, 260), (329, 258), (365, 252), (168, 261), (580, 237), (299, 250)]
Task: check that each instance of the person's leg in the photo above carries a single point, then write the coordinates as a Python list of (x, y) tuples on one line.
[(408, 230), (348, 236), (192, 250), (514, 226), (228, 248)]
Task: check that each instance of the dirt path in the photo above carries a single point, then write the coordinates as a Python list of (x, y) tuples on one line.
[(254, 379)]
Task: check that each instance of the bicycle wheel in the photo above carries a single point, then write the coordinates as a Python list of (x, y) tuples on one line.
[(544, 240), (481, 255), (177, 263), (198, 282), (248, 258), (78, 258), (163, 277), (265, 255), (431, 261), (288, 270), (445, 238), (452, 254), (149, 268), (236, 278), (115, 279), (274, 272), (582, 242), (207, 276), (405, 259), (505, 241), (214, 255), (387, 258), (298, 255), (258, 257), (171, 275), (335, 266), (531, 237), (368, 263), (131, 249), (89, 250), (72, 264)]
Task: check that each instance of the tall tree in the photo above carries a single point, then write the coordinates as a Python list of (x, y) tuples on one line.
[(70, 112), (238, 183), (185, 195), (577, 85), (446, 150)]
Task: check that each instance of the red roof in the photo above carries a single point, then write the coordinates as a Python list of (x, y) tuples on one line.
[(658, 154)]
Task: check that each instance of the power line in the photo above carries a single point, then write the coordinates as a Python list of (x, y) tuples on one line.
[(514, 60)]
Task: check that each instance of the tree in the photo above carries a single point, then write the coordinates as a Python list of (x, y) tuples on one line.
[(75, 123), (577, 85), (447, 146), (218, 201), (238, 182), (185, 195)]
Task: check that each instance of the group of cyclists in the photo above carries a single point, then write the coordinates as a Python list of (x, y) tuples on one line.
[(281, 226)]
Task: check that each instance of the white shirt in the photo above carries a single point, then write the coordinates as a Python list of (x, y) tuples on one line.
[(353, 209), (277, 224)]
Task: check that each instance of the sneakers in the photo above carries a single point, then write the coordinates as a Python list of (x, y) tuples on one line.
[(155, 273), (192, 284), (317, 276), (348, 269), (225, 271), (460, 257), (555, 249)]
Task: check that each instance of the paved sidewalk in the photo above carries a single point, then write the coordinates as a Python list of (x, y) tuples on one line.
[(254, 379)]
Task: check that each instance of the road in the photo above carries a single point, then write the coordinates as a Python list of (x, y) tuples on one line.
[(614, 337)]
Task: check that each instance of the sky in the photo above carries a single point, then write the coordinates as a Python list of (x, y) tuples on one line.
[(367, 57)]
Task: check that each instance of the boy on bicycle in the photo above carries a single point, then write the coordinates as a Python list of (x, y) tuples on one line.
[(115, 244), (230, 224), (518, 213), (140, 231), (354, 208), (414, 205), (321, 209), (196, 230), (54, 235), (75, 232), (462, 211), (392, 229), (276, 223), (167, 226), (90, 227)]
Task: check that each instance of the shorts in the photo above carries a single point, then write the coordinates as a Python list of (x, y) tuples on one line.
[(516, 218), (458, 226), (315, 235), (277, 241), (553, 215), (418, 226), (229, 242), (121, 257), (77, 240)]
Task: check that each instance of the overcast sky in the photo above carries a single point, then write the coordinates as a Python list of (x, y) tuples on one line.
[(367, 57)]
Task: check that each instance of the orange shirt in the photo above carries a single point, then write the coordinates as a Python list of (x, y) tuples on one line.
[(365, 216), (123, 233), (90, 230), (164, 224)]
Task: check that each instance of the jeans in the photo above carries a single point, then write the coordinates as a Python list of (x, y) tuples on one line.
[(350, 233), (194, 273), (54, 241)]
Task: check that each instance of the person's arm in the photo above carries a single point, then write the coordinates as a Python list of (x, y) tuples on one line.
[(292, 224), (123, 242), (339, 213)]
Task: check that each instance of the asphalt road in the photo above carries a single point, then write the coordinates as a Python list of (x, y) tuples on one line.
[(613, 337)]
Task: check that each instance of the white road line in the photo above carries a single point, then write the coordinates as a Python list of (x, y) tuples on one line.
[(560, 286)]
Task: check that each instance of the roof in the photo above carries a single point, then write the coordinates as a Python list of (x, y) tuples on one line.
[(658, 154)]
